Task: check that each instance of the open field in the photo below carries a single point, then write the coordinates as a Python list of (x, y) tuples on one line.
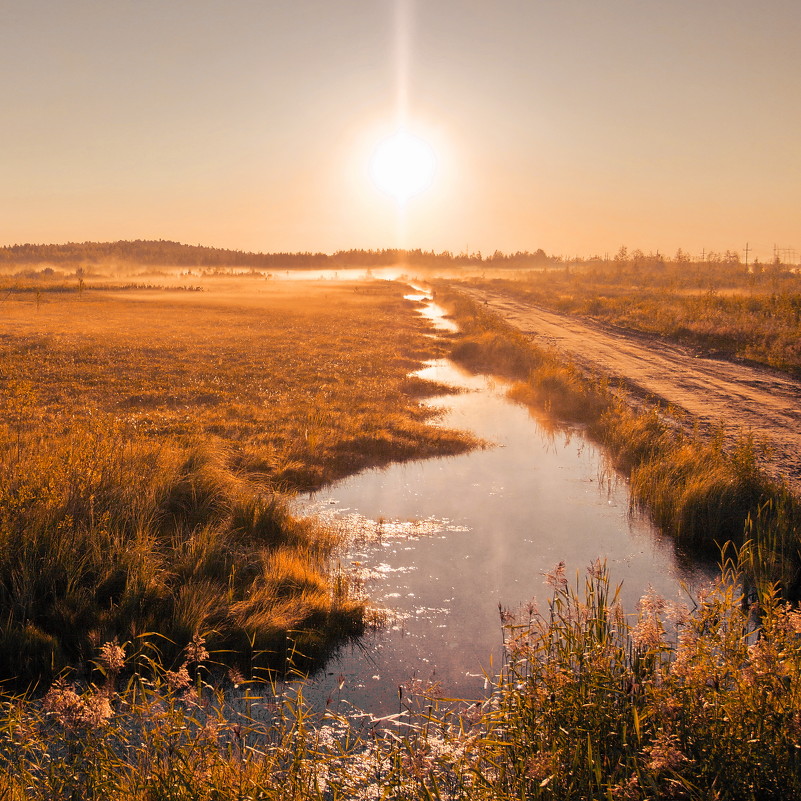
[(146, 437), (303, 384)]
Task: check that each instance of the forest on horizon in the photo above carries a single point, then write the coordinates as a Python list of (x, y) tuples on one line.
[(167, 253)]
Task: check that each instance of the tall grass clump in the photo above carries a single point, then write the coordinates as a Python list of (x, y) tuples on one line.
[(598, 707), (541, 375), (106, 536), (691, 702), (702, 489)]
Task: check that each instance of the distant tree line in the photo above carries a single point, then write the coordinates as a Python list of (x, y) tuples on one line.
[(156, 253), (164, 253)]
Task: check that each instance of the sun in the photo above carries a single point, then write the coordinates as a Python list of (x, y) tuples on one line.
[(403, 165)]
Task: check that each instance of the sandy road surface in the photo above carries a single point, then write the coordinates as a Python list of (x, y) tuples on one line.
[(741, 397)]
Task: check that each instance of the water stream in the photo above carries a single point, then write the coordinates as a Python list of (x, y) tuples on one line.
[(442, 542)]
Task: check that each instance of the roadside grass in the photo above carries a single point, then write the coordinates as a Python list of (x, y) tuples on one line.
[(726, 310), (703, 490), (488, 344), (684, 702), (145, 447)]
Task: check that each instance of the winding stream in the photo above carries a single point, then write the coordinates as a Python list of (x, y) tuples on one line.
[(442, 542)]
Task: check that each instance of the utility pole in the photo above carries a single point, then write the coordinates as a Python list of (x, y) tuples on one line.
[(786, 256), (747, 250)]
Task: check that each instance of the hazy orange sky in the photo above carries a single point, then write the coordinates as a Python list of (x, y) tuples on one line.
[(571, 125)]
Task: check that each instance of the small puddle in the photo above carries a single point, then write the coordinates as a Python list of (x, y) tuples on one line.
[(441, 542)]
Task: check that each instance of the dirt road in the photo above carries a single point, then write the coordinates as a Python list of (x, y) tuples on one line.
[(740, 397)]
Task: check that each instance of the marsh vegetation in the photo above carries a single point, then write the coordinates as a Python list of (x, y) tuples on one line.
[(148, 437), (589, 705)]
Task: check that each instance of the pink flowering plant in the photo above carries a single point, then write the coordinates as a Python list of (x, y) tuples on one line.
[(623, 709), (672, 702)]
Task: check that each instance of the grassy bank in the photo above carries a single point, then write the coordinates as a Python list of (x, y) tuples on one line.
[(696, 488), (146, 442), (588, 706), (106, 537)]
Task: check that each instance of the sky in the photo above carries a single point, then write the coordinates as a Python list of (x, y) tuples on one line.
[(575, 126)]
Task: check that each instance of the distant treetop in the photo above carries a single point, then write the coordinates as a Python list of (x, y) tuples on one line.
[(164, 253)]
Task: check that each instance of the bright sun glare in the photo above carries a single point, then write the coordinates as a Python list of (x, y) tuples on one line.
[(403, 165)]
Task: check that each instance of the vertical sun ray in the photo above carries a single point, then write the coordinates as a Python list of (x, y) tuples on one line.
[(402, 32)]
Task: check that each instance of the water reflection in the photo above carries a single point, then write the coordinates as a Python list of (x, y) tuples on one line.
[(432, 311), (442, 542)]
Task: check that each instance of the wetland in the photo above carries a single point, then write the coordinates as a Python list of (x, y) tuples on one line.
[(200, 490), (441, 543)]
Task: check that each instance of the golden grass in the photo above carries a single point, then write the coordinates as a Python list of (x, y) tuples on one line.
[(303, 383), (96, 516), (144, 442), (722, 310)]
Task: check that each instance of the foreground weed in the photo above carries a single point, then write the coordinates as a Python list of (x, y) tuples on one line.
[(686, 702)]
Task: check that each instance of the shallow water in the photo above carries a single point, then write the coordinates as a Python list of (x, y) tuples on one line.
[(442, 542)]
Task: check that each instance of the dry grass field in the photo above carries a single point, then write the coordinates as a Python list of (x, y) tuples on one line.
[(146, 438), (301, 382), (724, 309)]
